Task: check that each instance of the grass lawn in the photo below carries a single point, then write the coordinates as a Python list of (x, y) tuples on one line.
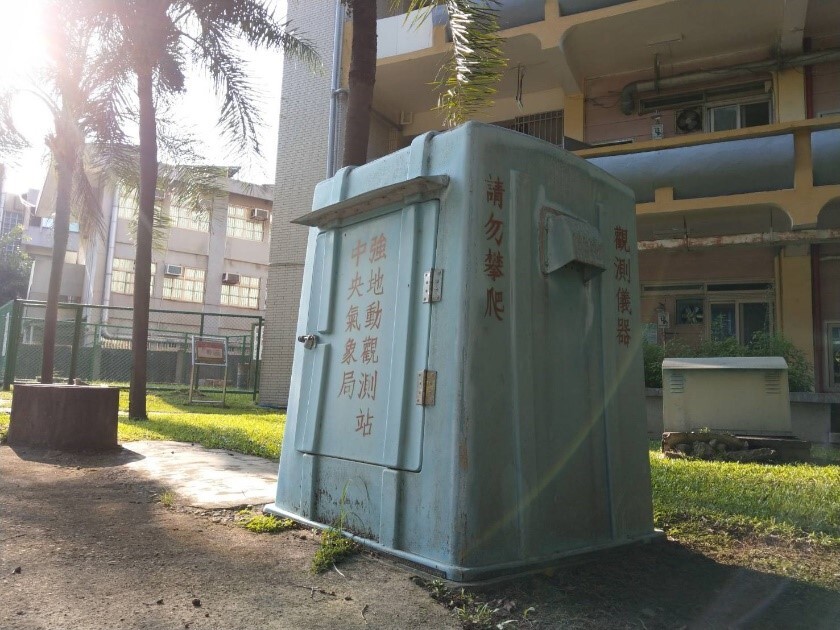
[(735, 512), (240, 426)]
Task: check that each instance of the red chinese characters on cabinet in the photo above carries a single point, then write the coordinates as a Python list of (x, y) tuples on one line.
[(494, 260), (364, 316), (622, 276)]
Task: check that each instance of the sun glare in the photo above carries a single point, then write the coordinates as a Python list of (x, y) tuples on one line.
[(22, 47), (21, 40)]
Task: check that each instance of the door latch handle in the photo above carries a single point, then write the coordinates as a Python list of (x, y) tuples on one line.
[(308, 341)]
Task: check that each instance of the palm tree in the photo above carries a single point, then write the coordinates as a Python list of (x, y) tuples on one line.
[(151, 42), (82, 112), (468, 80)]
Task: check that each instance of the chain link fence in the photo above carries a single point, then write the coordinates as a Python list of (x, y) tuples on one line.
[(93, 343)]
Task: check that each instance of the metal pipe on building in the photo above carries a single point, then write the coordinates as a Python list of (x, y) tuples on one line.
[(629, 91), (335, 84), (755, 239), (817, 318), (109, 258)]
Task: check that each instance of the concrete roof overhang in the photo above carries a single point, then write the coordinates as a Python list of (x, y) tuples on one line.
[(621, 38), (630, 36), (405, 83)]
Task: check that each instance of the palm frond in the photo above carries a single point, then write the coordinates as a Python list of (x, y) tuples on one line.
[(85, 203), (12, 141), (471, 77), (239, 117), (469, 80), (110, 81), (417, 11), (192, 186), (258, 26)]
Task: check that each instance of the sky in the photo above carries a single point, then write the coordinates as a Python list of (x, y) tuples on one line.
[(21, 44)]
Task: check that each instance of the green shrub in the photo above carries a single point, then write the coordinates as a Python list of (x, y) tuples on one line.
[(725, 347), (653, 364), (800, 371), (654, 354)]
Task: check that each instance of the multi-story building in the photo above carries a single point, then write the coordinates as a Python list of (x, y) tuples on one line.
[(213, 263), (723, 116), (15, 211)]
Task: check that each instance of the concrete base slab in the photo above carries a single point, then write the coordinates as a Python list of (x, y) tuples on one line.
[(207, 478)]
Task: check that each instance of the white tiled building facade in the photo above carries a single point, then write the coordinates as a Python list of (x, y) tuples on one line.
[(301, 164)]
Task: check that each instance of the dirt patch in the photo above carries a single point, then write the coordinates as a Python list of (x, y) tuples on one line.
[(96, 549)]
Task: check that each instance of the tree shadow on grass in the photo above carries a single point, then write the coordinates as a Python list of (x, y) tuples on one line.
[(205, 402), (665, 585)]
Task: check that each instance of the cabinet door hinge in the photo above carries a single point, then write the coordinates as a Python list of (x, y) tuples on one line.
[(426, 388), (432, 281)]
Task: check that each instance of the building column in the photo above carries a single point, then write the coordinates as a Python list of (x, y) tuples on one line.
[(790, 95), (216, 252), (574, 116), (795, 319)]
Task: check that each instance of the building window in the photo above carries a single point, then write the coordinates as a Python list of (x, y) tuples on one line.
[(127, 204), (739, 116), (245, 294), (10, 221), (188, 287), (546, 126), (239, 224), (122, 276), (718, 311), (189, 219), (690, 311), (739, 319)]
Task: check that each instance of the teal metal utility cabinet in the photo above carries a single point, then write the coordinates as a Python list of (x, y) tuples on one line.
[(467, 392)]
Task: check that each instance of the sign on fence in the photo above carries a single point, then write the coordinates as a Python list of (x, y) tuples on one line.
[(208, 351)]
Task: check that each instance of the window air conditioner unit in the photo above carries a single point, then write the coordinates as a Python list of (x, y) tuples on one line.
[(230, 278), (689, 120), (258, 214), (173, 270)]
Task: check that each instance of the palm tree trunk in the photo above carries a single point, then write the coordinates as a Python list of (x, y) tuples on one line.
[(143, 257), (361, 82), (61, 233)]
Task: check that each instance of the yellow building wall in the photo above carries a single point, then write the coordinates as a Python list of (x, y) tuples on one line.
[(573, 117), (795, 319), (790, 95)]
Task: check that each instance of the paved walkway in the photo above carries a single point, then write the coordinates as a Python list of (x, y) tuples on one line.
[(206, 478)]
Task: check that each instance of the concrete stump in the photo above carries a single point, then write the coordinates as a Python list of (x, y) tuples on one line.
[(64, 417)]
